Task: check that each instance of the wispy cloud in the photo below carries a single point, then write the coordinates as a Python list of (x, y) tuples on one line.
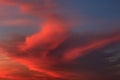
[(54, 48)]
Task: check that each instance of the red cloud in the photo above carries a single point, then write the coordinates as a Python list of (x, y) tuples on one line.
[(49, 48), (48, 60), (36, 7), (79, 51)]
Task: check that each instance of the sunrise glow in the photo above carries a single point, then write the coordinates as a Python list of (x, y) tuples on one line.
[(59, 40)]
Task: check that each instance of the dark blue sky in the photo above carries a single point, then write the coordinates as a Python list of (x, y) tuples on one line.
[(97, 15)]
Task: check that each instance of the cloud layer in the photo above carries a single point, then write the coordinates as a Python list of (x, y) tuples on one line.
[(54, 50)]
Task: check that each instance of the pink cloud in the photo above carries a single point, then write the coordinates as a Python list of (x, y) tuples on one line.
[(51, 47)]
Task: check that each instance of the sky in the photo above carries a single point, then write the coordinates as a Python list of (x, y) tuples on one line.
[(59, 40)]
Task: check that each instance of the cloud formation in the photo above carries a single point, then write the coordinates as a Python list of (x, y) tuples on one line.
[(54, 49)]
